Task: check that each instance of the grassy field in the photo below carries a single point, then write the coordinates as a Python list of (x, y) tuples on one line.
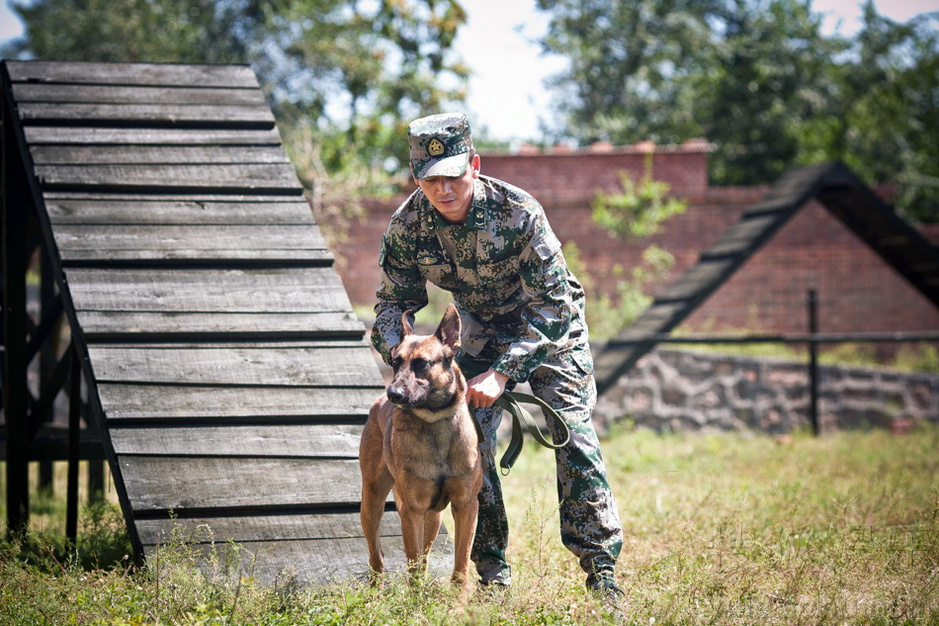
[(720, 529)]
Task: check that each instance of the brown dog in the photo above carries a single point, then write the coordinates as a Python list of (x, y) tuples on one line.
[(420, 441)]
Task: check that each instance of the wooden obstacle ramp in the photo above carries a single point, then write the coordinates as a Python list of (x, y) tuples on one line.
[(224, 363)]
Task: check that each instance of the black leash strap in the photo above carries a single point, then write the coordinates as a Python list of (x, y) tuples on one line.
[(509, 401)]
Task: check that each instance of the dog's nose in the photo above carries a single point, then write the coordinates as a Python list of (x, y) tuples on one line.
[(396, 395)]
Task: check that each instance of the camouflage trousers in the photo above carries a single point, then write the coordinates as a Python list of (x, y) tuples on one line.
[(589, 519)]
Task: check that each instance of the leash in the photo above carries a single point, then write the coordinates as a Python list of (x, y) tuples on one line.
[(509, 401)]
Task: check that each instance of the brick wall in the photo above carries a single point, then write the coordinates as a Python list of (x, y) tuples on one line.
[(857, 291)]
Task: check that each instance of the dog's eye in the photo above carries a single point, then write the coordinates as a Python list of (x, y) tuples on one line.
[(422, 365), (396, 363)]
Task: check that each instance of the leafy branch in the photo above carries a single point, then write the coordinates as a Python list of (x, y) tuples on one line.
[(638, 211)]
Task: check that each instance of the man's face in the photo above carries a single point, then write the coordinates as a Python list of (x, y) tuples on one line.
[(452, 195)]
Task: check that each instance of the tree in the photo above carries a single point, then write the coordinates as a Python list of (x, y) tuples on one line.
[(760, 80), (200, 31), (339, 74), (884, 121), (630, 66), (769, 72)]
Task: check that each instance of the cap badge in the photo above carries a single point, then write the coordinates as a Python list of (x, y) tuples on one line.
[(436, 147)]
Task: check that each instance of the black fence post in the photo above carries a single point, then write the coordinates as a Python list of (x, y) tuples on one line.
[(813, 360)]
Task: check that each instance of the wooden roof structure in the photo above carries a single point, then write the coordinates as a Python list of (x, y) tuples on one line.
[(223, 362), (839, 191)]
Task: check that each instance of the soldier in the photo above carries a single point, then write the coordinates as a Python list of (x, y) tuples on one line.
[(522, 310)]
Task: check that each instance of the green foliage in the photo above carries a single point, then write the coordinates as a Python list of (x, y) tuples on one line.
[(342, 77), (631, 215), (638, 211), (919, 357), (910, 357), (886, 112), (609, 313), (719, 529), (761, 81), (132, 31), (769, 73), (630, 67)]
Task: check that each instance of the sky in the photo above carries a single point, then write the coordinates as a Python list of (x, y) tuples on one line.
[(507, 96)]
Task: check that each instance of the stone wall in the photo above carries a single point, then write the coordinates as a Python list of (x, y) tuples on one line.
[(672, 390)]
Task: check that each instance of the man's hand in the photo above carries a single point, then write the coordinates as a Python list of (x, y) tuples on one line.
[(485, 389)]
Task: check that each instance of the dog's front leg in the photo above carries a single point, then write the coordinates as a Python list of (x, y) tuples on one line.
[(373, 506), (464, 529), (432, 521), (412, 532), (377, 482)]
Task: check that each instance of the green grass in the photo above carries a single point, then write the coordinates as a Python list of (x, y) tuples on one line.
[(720, 529)]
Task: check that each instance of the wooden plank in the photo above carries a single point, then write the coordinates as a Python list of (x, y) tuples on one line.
[(137, 94), (168, 212), (168, 74), (234, 257), (169, 115), (120, 243), (156, 155), (699, 280), (262, 527), (139, 196), (161, 484), (297, 290), (129, 403), (339, 343), (287, 366), (744, 237), (75, 237), (270, 178), (109, 325), (282, 441), (657, 318), (56, 135)]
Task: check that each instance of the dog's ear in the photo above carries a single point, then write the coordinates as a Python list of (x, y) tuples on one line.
[(448, 332), (406, 328)]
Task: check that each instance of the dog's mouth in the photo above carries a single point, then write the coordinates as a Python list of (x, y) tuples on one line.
[(438, 401), (406, 401), (407, 405)]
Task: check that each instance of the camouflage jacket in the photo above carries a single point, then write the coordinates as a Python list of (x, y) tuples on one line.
[(504, 268)]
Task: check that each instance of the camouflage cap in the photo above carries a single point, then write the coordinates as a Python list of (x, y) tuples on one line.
[(439, 145)]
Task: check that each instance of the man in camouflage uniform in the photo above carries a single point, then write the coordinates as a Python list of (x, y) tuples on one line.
[(491, 246)]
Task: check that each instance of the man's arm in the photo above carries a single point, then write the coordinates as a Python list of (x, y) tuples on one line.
[(548, 312), (402, 288)]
